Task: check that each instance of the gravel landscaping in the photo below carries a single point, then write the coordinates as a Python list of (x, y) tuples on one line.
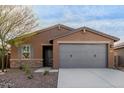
[(16, 78), (120, 68)]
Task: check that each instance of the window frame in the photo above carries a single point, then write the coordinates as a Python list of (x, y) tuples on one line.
[(22, 51)]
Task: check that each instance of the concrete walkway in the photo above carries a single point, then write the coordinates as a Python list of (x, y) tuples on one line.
[(46, 69), (90, 78)]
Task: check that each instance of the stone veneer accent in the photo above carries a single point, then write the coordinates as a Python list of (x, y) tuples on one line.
[(32, 63)]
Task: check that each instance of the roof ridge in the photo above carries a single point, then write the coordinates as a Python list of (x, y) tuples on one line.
[(91, 30), (47, 29), (99, 32), (53, 26), (120, 44)]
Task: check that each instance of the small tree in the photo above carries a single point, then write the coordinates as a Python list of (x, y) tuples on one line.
[(15, 21)]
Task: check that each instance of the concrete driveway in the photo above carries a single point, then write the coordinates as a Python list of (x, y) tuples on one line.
[(90, 78)]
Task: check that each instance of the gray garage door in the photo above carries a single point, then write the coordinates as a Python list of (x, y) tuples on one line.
[(83, 55)]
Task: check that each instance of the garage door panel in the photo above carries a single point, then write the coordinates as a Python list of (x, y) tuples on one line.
[(80, 55)]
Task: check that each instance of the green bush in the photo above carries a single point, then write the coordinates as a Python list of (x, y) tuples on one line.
[(27, 70), (21, 67), (30, 76), (46, 72)]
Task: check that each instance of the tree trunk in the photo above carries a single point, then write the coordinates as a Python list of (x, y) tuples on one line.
[(2, 62), (3, 57), (6, 61)]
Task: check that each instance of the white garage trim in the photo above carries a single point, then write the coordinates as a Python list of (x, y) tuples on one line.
[(87, 42)]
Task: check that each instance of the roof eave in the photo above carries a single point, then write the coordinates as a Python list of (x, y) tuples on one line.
[(92, 30), (103, 34), (119, 47), (57, 25)]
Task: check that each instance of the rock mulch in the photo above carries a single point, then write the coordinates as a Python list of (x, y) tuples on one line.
[(120, 68), (16, 78), (4, 83)]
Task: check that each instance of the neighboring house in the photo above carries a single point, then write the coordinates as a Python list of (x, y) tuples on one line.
[(63, 46), (119, 52)]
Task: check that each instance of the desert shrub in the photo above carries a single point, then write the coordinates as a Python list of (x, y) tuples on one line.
[(21, 67), (30, 76), (46, 72), (26, 68)]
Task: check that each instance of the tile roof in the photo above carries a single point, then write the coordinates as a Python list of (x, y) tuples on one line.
[(91, 30), (120, 45)]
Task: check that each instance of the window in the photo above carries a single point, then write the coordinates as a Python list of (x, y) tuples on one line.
[(26, 51)]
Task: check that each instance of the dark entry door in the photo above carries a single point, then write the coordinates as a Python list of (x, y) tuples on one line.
[(48, 56)]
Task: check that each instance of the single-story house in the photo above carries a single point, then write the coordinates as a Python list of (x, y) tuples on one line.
[(119, 52), (66, 47)]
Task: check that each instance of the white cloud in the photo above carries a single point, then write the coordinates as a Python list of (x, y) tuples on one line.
[(85, 16)]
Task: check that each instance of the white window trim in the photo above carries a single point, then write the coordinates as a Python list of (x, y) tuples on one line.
[(23, 52)]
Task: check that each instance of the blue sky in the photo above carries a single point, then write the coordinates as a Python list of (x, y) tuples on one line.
[(108, 19)]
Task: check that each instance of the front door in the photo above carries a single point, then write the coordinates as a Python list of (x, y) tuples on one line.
[(47, 56)]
